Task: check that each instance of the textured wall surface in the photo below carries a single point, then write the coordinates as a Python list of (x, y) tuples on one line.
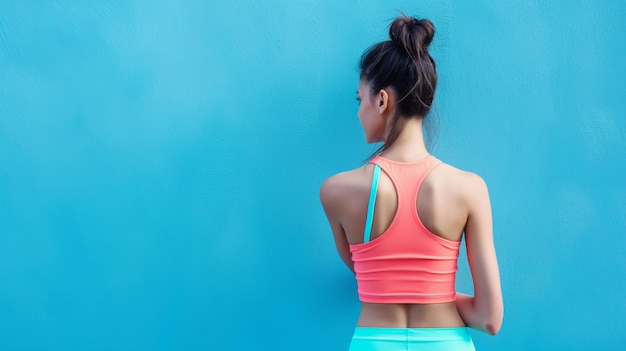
[(160, 164)]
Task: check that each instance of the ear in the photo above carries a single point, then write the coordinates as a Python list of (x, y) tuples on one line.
[(383, 101)]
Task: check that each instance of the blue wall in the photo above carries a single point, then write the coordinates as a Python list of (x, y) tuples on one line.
[(160, 165)]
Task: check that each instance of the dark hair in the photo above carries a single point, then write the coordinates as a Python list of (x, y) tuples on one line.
[(404, 65)]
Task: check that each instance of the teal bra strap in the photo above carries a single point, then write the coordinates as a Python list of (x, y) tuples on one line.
[(370, 206)]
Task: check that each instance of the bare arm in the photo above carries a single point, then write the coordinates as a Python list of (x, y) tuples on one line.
[(483, 311), (331, 197)]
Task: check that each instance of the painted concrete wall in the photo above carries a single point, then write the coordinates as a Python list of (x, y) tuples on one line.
[(160, 164)]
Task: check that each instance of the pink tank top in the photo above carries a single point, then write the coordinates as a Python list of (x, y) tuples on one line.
[(407, 263)]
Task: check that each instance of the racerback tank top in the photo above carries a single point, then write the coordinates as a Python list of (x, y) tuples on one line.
[(407, 263)]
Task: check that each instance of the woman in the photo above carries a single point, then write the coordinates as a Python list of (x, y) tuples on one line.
[(398, 220)]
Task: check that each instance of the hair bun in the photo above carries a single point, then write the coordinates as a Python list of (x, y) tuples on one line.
[(411, 34)]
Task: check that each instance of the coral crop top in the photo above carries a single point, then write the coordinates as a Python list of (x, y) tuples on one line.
[(407, 263)]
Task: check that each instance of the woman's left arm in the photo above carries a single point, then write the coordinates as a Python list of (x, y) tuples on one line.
[(330, 195)]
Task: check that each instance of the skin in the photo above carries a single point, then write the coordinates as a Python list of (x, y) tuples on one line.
[(451, 203)]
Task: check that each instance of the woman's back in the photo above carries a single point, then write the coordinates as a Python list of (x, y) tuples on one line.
[(441, 206)]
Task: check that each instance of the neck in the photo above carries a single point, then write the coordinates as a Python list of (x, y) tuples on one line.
[(410, 146)]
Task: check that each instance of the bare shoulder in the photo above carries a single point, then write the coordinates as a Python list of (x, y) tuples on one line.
[(465, 184), (342, 185)]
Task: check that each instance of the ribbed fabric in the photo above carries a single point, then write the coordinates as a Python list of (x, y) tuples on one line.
[(407, 263)]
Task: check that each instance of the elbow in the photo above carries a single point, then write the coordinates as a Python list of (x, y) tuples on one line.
[(484, 317), (493, 328), (494, 322)]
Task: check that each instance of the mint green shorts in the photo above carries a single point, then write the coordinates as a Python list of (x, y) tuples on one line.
[(413, 339)]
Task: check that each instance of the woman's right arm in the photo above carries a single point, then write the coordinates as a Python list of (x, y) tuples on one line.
[(483, 311)]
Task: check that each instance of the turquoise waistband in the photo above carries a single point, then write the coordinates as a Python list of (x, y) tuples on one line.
[(415, 334)]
